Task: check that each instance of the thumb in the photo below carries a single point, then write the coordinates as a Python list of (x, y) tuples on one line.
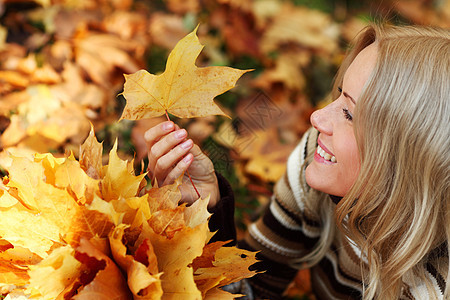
[(196, 151)]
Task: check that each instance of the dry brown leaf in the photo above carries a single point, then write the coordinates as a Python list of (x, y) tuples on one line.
[(165, 197), (306, 27), (166, 29), (267, 156), (287, 70), (183, 6), (13, 78), (99, 54)]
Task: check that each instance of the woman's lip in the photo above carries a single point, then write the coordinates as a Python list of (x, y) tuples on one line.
[(322, 160), (324, 148)]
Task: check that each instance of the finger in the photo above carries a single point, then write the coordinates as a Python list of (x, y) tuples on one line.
[(155, 133), (163, 146), (165, 164), (179, 169)]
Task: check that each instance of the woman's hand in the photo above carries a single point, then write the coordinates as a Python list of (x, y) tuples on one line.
[(171, 153)]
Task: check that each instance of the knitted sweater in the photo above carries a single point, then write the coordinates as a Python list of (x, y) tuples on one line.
[(289, 229)]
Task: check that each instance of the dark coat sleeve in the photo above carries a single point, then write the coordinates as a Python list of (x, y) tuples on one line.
[(222, 219)]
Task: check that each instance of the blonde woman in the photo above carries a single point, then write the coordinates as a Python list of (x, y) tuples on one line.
[(365, 199)]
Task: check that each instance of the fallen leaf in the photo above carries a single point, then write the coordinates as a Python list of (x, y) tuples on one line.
[(91, 156), (303, 26), (14, 262), (99, 54), (143, 283), (166, 29), (178, 278), (119, 180), (182, 90), (37, 225), (106, 280), (183, 7), (168, 222), (230, 264), (267, 155), (51, 276)]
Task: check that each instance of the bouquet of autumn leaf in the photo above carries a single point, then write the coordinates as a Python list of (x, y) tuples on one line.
[(79, 230)]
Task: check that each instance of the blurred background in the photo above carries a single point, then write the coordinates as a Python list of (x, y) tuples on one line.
[(62, 64)]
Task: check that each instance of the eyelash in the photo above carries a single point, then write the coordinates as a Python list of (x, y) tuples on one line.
[(347, 114)]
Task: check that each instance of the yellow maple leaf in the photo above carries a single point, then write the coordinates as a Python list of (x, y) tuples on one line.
[(119, 180), (71, 176), (183, 90), (174, 258), (91, 156), (142, 283), (108, 282), (28, 230), (25, 175), (52, 275)]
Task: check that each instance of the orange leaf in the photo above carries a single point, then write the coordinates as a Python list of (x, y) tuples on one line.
[(103, 279), (229, 262), (167, 222), (143, 280), (165, 197), (53, 274)]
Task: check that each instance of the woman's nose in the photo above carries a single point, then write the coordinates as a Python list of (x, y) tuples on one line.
[(320, 119)]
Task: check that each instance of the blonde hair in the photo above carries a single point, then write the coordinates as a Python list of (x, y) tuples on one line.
[(398, 209)]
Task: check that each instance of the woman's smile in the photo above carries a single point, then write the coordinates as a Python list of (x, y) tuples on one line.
[(323, 155)]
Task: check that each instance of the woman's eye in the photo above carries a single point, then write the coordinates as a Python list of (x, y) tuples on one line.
[(347, 114), (339, 89)]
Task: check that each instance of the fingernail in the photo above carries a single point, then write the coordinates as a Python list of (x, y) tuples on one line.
[(167, 126), (186, 145), (187, 158), (180, 133)]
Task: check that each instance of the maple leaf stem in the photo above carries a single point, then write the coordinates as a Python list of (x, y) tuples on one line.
[(187, 172)]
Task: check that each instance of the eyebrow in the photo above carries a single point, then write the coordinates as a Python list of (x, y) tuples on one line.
[(348, 96)]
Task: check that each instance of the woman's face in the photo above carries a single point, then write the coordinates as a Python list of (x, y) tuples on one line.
[(336, 162)]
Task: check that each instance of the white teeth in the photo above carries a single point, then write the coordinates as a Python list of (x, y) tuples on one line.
[(325, 155)]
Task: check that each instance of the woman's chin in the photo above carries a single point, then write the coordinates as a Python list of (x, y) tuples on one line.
[(323, 181)]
